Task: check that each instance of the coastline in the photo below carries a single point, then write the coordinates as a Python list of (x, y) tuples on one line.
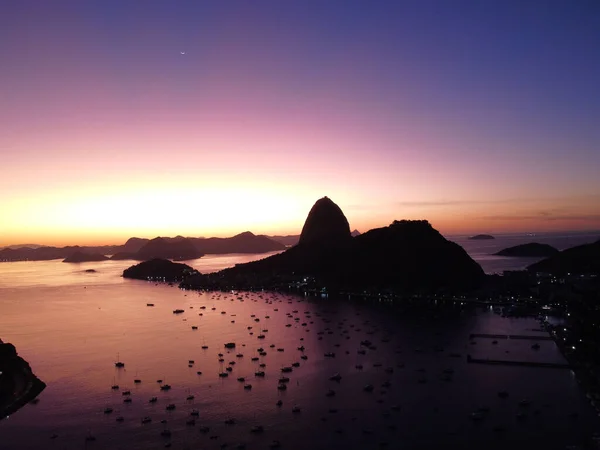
[(18, 384)]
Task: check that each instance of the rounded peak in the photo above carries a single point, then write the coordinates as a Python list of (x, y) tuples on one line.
[(325, 223), (245, 234)]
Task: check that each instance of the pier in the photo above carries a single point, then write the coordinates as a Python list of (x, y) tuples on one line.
[(510, 336), (499, 362)]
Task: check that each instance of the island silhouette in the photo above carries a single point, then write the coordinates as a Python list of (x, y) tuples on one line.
[(18, 384)]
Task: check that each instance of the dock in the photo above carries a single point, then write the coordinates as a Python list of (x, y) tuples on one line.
[(510, 336), (499, 362)]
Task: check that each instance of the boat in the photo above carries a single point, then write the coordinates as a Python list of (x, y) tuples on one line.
[(170, 407), (336, 377), (178, 311), (165, 387), (146, 420), (149, 304), (108, 410), (153, 400), (286, 369), (296, 409), (257, 429), (230, 345)]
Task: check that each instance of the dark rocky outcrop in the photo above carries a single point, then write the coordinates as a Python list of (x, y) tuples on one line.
[(583, 259), (176, 249), (159, 270), (79, 257), (325, 223), (18, 384), (531, 250), (406, 256), (482, 237)]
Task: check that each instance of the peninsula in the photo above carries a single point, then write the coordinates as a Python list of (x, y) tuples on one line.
[(407, 255), (18, 384)]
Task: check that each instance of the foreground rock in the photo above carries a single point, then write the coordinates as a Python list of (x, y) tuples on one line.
[(18, 384), (79, 257), (531, 250), (482, 237), (160, 270), (583, 259), (405, 256)]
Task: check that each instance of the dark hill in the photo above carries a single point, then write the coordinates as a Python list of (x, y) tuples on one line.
[(531, 250), (18, 384), (325, 223), (406, 256), (412, 254), (159, 270), (133, 245), (288, 241), (246, 242), (482, 237), (79, 257), (583, 259), (176, 249)]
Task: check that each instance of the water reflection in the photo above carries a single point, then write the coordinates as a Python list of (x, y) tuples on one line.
[(424, 392)]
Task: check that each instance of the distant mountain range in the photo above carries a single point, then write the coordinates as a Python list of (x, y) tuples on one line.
[(178, 248)]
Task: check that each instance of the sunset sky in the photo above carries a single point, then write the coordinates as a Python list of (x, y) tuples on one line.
[(209, 118)]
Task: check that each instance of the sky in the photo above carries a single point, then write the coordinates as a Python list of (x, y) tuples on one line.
[(209, 118)]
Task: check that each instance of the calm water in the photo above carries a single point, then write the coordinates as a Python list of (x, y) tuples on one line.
[(71, 325), (483, 251)]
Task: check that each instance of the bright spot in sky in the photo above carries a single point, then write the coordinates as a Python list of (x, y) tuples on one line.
[(183, 53)]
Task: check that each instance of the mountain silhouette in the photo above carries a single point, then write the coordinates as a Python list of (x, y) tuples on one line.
[(407, 255), (325, 224), (79, 257), (178, 249), (583, 259)]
